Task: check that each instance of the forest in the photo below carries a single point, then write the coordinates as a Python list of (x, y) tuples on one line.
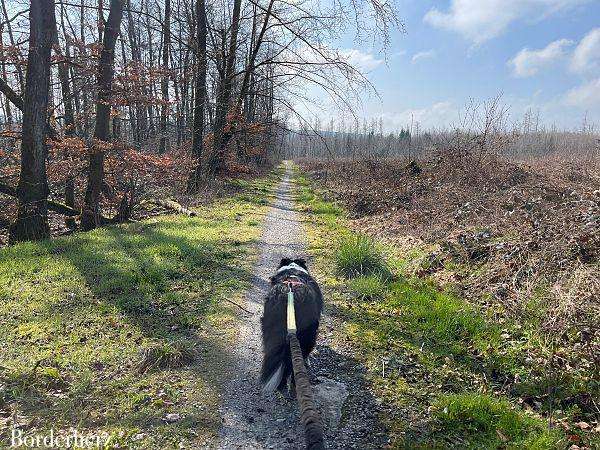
[(106, 105)]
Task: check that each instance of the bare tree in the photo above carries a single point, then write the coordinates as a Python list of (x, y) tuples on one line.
[(200, 96), (165, 77), (32, 190), (90, 217), (224, 94)]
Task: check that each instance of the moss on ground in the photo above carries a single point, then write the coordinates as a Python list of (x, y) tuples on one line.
[(439, 364), (117, 330)]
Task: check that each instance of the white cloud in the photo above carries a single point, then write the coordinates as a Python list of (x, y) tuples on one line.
[(441, 114), (423, 55), (586, 95), (481, 20), (364, 62), (586, 57), (528, 62)]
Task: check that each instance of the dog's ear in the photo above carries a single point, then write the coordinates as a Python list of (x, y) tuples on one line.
[(301, 262), (285, 262)]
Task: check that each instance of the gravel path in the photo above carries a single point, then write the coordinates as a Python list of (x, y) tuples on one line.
[(253, 421)]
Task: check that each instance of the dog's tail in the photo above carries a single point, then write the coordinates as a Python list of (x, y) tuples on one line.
[(275, 369), (273, 381)]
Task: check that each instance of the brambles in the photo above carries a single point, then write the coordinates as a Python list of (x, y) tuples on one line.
[(500, 230)]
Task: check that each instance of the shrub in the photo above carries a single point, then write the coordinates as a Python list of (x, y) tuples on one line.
[(361, 256)]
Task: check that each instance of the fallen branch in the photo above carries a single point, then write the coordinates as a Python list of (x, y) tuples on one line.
[(239, 306), (173, 205), (11, 95)]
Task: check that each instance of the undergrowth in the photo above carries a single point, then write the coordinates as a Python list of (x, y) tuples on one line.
[(448, 372)]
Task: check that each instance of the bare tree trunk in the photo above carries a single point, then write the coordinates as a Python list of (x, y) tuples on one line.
[(32, 216), (90, 217), (81, 85), (100, 20), (164, 141), (151, 56), (200, 96), (224, 92), (75, 103), (140, 123), (67, 98), (249, 99), (177, 85), (63, 75)]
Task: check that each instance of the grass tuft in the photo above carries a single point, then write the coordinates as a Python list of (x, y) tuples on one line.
[(361, 256), (482, 421), (324, 208), (168, 355), (369, 287)]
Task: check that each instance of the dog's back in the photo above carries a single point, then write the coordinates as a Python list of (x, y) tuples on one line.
[(308, 302)]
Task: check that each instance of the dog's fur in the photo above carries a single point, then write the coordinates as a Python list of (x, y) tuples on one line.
[(308, 302)]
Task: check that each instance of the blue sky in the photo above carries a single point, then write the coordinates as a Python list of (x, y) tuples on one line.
[(540, 54)]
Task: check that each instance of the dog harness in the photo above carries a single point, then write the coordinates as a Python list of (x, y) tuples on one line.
[(292, 266)]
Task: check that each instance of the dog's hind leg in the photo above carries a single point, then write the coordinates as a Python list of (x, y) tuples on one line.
[(308, 339)]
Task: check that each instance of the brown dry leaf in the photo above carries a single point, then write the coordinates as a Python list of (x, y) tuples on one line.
[(502, 436), (583, 425)]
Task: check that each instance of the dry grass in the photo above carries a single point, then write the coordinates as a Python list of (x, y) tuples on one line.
[(522, 240)]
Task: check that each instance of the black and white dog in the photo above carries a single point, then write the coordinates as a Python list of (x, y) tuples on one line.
[(308, 302)]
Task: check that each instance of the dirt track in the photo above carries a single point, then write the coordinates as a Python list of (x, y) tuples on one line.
[(253, 421)]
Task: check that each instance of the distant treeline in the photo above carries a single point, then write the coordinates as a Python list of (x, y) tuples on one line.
[(486, 135)]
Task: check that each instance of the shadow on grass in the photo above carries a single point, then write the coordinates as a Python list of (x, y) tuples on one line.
[(95, 300), (436, 348)]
